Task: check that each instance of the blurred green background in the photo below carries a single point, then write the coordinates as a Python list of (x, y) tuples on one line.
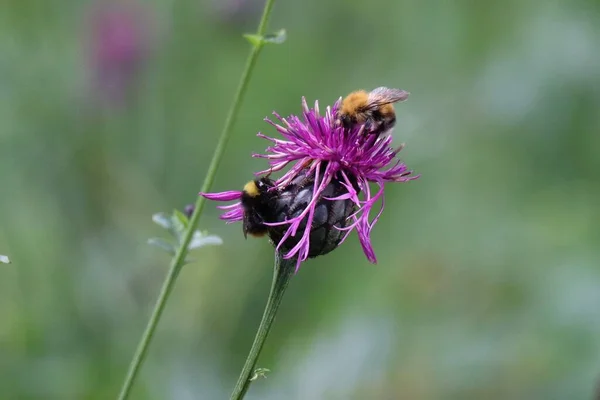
[(488, 281)]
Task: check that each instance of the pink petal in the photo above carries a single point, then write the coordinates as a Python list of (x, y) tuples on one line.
[(223, 196)]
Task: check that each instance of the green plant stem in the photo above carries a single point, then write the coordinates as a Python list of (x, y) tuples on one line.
[(282, 272), (179, 258)]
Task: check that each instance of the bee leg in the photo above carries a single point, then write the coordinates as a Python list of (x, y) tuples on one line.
[(369, 126), (376, 127)]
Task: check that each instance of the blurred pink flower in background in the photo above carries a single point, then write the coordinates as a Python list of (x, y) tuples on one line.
[(120, 37)]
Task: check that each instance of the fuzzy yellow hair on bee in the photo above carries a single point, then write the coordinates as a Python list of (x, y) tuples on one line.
[(354, 101), (251, 189)]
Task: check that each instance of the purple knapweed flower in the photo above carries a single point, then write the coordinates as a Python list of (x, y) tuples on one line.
[(325, 154)]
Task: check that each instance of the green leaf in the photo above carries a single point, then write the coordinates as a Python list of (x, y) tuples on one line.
[(163, 219), (276, 38), (201, 239), (255, 40), (162, 244), (176, 223), (178, 227), (4, 259), (179, 224), (181, 217), (259, 373)]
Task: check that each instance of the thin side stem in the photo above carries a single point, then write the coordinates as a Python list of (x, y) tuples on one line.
[(282, 272), (180, 255)]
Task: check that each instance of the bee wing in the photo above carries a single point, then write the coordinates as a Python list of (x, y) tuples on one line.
[(383, 95)]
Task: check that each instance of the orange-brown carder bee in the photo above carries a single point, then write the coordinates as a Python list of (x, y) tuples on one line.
[(374, 109)]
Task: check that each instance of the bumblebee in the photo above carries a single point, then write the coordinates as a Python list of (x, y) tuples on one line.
[(257, 200), (373, 109), (263, 203)]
